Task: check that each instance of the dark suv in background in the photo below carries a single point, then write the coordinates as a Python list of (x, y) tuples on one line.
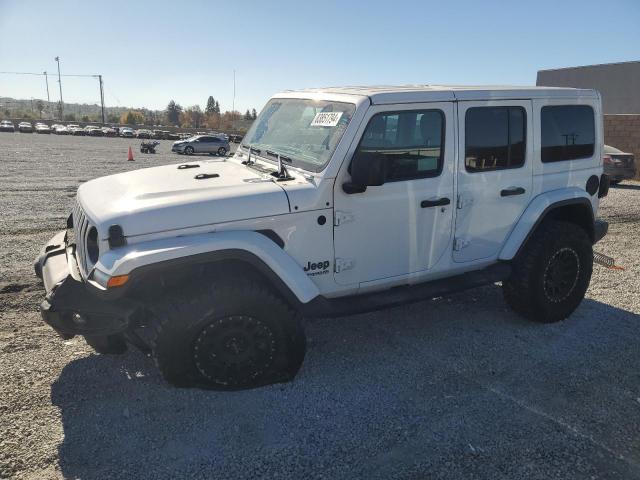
[(618, 164)]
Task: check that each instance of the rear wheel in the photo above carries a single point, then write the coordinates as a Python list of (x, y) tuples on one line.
[(228, 337), (222, 151), (551, 274)]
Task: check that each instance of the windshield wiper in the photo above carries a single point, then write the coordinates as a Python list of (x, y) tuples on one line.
[(284, 158), (251, 150), (282, 174)]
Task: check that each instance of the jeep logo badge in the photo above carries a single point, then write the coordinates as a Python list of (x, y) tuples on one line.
[(317, 268)]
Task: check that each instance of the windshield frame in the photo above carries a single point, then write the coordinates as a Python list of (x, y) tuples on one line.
[(296, 161)]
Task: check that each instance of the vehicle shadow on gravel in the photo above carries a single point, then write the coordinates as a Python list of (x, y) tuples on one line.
[(626, 186), (457, 387)]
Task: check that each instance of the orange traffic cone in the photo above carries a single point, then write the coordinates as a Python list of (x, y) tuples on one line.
[(130, 157)]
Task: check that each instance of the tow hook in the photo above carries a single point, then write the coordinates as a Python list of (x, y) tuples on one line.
[(605, 261)]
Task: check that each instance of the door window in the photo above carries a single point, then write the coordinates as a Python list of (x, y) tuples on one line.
[(495, 138), (412, 142)]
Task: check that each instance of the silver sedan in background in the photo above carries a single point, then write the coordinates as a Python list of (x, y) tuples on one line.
[(212, 144)]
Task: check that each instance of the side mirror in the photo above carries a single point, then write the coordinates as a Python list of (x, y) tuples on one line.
[(368, 169)]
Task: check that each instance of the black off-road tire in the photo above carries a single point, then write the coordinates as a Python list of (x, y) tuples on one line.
[(228, 337), (107, 344), (551, 274)]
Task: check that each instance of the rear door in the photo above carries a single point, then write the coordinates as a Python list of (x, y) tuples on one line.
[(214, 145), (495, 175)]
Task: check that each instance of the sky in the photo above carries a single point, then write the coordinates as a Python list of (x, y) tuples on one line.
[(150, 52)]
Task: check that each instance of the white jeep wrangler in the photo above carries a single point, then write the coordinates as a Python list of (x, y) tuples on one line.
[(339, 200)]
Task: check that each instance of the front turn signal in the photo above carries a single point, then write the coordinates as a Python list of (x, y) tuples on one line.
[(117, 281)]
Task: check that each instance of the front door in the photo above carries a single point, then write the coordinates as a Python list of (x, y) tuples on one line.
[(405, 225), (202, 145), (495, 175)]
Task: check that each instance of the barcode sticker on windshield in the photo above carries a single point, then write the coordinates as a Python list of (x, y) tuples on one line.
[(326, 119)]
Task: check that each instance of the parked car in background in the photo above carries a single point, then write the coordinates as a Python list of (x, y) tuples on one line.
[(618, 164), (160, 134), (25, 127), (210, 144), (235, 138), (127, 132), (172, 136), (75, 129), (93, 131), (144, 133), (7, 126), (42, 128), (60, 129), (108, 132)]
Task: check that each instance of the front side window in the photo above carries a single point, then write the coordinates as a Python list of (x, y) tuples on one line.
[(495, 138), (568, 132), (306, 131), (412, 142)]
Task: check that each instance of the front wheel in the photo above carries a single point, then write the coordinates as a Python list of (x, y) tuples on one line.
[(188, 150), (551, 274), (228, 337)]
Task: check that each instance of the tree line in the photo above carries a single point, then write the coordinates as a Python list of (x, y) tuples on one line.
[(174, 114), (211, 117)]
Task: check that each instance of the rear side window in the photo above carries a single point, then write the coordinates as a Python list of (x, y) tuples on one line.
[(495, 138), (568, 132), (412, 141)]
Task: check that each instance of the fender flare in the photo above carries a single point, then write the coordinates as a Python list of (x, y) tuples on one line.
[(536, 212), (247, 246)]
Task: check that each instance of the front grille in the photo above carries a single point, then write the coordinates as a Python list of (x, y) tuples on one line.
[(81, 228)]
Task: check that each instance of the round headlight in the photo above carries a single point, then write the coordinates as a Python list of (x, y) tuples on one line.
[(93, 250)]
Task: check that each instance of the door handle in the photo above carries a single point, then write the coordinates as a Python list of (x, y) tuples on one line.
[(438, 202), (508, 192)]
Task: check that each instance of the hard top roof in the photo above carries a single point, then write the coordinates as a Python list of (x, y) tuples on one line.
[(416, 93)]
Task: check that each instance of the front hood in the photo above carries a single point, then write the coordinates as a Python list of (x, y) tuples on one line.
[(168, 198)]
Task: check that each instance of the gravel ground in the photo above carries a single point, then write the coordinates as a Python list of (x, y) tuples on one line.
[(448, 388)]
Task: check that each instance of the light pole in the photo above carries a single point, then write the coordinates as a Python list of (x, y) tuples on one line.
[(101, 96), (60, 83), (233, 103), (46, 79)]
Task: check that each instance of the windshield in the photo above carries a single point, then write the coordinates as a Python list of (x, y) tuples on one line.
[(306, 131)]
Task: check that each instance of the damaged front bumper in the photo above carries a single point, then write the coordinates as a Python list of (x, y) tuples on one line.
[(72, 306)]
